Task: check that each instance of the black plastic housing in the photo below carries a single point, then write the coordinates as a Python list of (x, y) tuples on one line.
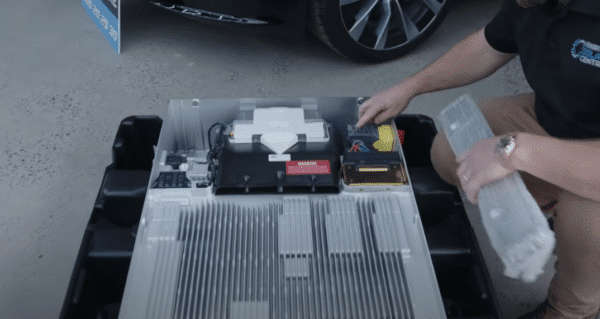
[(100, 271), (246, 168)]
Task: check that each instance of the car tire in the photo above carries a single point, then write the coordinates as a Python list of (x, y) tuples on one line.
[(374, 30)]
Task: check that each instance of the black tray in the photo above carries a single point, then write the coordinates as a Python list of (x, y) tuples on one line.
[(100, 272)]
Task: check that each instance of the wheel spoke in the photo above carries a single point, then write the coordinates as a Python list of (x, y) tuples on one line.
[(358, 29), (361, 20), (389, 26), (345, 2), (409, 27), (383, 26), (433, 5)]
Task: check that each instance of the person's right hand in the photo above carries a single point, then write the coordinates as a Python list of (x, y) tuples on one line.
[(384, 105)]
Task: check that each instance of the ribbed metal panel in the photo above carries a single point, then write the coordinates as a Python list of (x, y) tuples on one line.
[(297, 258)]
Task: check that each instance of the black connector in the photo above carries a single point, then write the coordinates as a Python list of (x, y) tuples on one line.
[(172, 180)]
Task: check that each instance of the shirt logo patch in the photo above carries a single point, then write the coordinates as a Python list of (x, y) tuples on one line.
[(586, 52)]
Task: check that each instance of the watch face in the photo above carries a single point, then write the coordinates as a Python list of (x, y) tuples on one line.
[(504, 141)]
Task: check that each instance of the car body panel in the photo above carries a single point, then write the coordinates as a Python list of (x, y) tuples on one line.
[(286, 18)]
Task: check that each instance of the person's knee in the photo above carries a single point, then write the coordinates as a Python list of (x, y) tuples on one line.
[(443, 159), (490, 108)]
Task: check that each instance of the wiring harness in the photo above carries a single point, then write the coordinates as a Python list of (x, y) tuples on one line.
[(214, 149)]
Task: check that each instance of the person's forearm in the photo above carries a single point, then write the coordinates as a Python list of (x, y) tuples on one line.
[(569, 164), (469, 61)]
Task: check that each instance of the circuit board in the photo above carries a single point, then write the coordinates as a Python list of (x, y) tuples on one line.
[(371, 158)]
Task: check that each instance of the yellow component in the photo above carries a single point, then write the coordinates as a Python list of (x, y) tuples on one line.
[(372, 169), (376, 184), (386, 139)]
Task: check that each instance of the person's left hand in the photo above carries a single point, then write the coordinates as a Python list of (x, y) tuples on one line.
[(482, 165)]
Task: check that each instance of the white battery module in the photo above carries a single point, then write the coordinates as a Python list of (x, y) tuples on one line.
[(518, 230)]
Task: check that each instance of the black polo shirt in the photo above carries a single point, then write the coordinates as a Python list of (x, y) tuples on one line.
[(560, 54)]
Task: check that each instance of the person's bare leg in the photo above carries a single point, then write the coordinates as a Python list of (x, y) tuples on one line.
[(575, 289)]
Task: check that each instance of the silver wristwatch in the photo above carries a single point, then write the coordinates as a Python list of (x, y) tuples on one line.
[(506, 146)]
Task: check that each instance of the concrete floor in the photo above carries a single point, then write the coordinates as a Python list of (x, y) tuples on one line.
[(63, 92)]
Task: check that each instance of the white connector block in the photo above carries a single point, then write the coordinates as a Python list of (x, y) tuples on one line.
[(279, 120)]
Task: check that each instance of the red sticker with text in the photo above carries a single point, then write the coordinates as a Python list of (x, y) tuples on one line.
[(307, 167)]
